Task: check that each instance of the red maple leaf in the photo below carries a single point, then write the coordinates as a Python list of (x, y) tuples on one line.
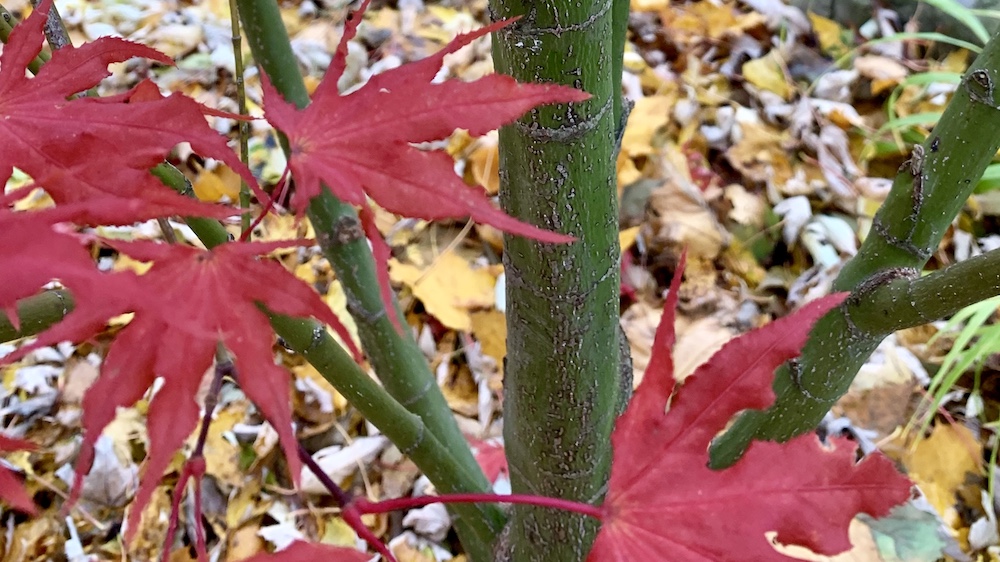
[(361, 145), (189, 300), (11, 489), (491, 457), (664, 501), (35, 252), (65, 144)]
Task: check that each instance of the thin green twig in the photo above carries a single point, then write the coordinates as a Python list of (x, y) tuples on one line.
[(241, 100)]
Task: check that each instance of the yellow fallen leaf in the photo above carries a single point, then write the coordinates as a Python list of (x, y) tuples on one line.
[(830, 35), (337, 533), (175, 39), (152, 531), (639, 323), (653, 81), (956, 61), (311, 83), (126, 263), (760, 154), (244, 542), (484, 163), (449, 288), (863, 548), (884, 72), (648, 115), (694, 21), (282, 227), (449, 17), (942, 463), (216, 185), (406, 551), (306, 272), (222, 457), (246, 504), (767, 73), (697, 341), (679, 215), (490, 329), (461, 391), (336, 299), (315, 399), (491, 235), (291, 16), (36, 539), (33, 200), (627, 237), (627, 171), (649, 5), (740, 260)]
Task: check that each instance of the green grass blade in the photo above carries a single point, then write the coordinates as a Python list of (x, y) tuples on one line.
[(963, 15), (984, 13), (927, 36), (917, 119)]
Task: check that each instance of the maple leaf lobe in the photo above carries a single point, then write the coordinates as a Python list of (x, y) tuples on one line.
[(189, 300), (664, 500), (63, 143), (11, 489), (360, 144)]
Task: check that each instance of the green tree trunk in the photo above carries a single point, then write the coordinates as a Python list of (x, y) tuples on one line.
[(557, 170)]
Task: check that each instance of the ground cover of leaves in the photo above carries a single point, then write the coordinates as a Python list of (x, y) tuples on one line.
[(747, 144)]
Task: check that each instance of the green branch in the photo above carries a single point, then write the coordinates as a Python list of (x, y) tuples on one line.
[(7, 23), (926, 196), (426, 431), (241, 101), (36, 314), (397, 360), (406, 430)]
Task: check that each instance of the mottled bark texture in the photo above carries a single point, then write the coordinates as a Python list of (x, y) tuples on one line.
[(557, 170)]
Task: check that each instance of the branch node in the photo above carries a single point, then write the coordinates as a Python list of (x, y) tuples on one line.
[(564, 133), (419, 394), (318, 335), (347, 229), (904, 244), (980, 86), (411, 447), (869, 285), (358, 311), (795, 373), (915, 165), (525, 27), (62, 300)]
